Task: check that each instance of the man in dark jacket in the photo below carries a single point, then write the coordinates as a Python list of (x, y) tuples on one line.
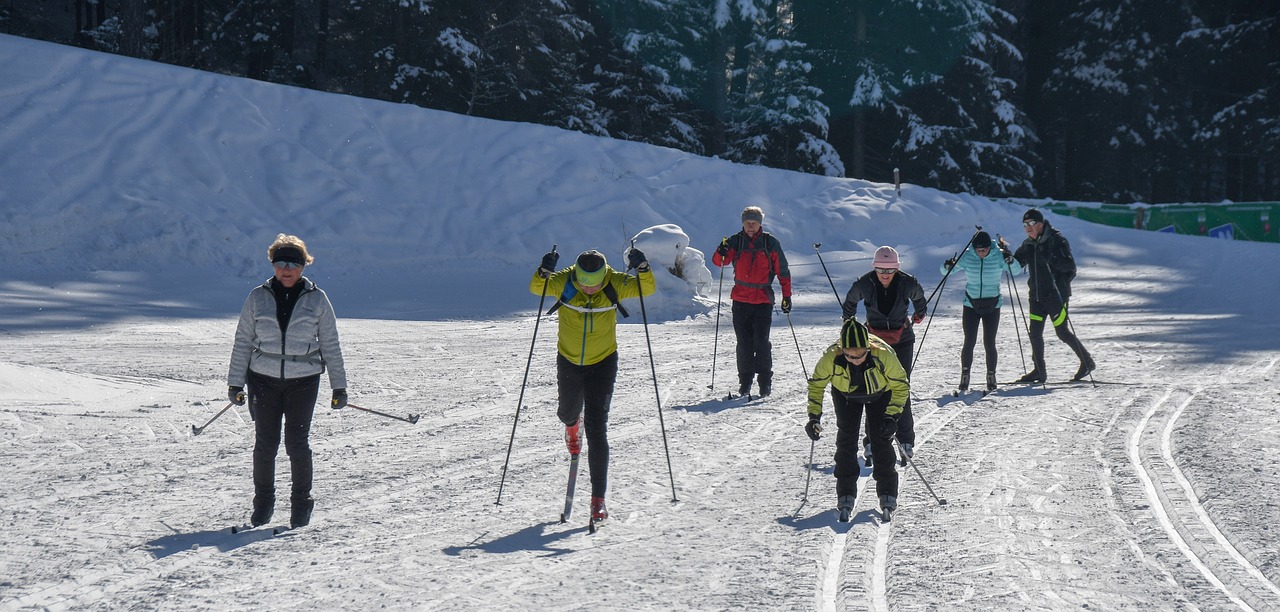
[(1047, 257), (757, 259)]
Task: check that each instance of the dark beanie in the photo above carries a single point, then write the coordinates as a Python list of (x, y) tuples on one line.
[(982, 241), (1033, 215), (290, 254)]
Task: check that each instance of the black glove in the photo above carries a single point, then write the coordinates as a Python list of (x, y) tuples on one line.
[(918, 317), (1008, 257), (950, 263), (786, 305), (339, 399), (814, 426), (636, 260), (236, 395), (723, 249), (889, 426), (549, 263)]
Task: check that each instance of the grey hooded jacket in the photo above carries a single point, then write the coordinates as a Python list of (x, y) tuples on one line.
[(306, 348)]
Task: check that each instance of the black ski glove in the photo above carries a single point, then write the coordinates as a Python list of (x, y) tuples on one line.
[(339, 399), (814, 426), (950, 263), (889, 426), (636, 260), (548, 264), (786, 305), (723, 249), (236, 395)]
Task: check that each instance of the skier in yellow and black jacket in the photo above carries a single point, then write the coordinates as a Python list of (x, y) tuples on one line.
[(863, 373), (587, 348)]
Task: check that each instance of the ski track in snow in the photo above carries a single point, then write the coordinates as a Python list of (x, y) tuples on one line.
[(1178, 505)]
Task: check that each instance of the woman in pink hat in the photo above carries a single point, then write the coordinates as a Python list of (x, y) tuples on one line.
[(887, 291)]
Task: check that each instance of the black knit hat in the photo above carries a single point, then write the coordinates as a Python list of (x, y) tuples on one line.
[(982, 240), (1033, 215), (853, 334)]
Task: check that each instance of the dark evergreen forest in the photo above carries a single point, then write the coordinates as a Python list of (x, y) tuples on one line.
[(1098, 100)]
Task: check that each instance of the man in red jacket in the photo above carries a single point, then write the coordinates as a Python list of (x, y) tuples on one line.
[(757, 258)]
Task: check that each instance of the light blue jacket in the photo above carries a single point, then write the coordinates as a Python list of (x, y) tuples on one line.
[(982, 274)]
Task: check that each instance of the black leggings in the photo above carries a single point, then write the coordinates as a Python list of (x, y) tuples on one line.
[(591, 388), (847, 416), (990, 323), (293, 401)]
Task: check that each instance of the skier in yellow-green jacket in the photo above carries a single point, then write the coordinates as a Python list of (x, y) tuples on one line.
[(863, 373), (587, 349)]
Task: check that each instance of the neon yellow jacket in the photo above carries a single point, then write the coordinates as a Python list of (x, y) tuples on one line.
[(588, 323), (885, 374)]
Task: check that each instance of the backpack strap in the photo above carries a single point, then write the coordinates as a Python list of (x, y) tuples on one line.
[(571, 289)]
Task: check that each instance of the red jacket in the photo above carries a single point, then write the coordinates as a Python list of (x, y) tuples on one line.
[(755, 262)]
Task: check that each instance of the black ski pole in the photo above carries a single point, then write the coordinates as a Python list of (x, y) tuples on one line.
[(941, 501), (715, 345), (920, 348), (412, 418), (1008, 272), (520, 402), (644, 317), (804, 499), (195, 431), (824, 271), (1021, 313)]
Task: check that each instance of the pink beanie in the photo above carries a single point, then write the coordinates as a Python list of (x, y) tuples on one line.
[(886, 257)]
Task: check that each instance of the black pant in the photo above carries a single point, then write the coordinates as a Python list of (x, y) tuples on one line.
[(1055, 311), (969, 320), (591, 388), (272, 400), (847, 416), (751, 325), (906, 422)]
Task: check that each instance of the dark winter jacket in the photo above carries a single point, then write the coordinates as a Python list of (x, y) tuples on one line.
[(306, 347), (1049, 263), (756, 261), (902, 290)]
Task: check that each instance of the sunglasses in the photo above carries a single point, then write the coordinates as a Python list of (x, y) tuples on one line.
[(1030, 223), (885, 270), (286, 265), (856, 354)]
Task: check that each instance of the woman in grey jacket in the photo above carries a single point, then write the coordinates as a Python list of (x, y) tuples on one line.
[(287, 337)]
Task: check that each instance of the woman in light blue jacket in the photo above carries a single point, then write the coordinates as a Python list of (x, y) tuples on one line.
[(982, 266)]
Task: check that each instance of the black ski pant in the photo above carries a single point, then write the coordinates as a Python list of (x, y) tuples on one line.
[(751, 325), (271, 401), (906, 423), (588, 390), (1055, 311), (969, 320), (848, 415)]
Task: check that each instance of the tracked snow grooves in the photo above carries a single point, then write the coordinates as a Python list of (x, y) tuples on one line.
[(1179, 510), (856, 568)]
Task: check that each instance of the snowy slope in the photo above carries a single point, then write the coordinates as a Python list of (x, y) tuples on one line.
[(137, 202)]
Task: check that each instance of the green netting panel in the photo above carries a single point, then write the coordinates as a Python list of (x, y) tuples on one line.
[(1240, 221)]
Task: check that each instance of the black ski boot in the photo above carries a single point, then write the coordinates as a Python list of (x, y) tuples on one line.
[(300, 512), (888, 503), (1034, 376), (991, 381), (766, 384), (263, 508), (744, 385), (1086, 366), (964, 380), (845, 508)]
